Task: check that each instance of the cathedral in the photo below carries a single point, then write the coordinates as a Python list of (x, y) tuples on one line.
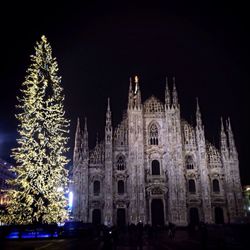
[(156, 168)]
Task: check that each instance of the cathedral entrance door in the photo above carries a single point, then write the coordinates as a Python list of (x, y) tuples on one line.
[(157, 212), (121, 217), (96, 216), (218, 214), (194, 216)]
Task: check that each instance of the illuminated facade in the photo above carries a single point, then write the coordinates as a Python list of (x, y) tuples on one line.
[(155, 167)]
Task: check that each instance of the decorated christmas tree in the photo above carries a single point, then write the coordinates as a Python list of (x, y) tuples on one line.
[(38, 192)]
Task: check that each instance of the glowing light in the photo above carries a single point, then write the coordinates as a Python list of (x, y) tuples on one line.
[(60, 189), (70, 200), (136, 79), (60, 224), (136, 84)]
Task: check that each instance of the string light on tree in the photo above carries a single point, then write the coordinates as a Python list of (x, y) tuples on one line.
[(37, 195)]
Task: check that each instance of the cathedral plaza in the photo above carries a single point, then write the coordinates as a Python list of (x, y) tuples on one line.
[(221, 237)]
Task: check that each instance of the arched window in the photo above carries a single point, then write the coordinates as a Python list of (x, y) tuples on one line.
[(121, 163), (155, 167), (120, 187), (153, 135), (189, 162), (97, 187), (216, 186), (191, 186)]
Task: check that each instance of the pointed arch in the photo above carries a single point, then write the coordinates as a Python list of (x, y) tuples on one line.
[(155, 167), (216, 186), (189, 162), (120, 187), (96, 187), (191, 186), (120, 162), (153, 133)]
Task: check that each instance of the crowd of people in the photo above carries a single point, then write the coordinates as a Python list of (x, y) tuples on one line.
[(138, 234)]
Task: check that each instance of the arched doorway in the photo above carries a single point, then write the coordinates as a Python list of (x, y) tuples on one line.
[(194, 216), (96, 216), (121, 217), (218, 215), (157, 212)]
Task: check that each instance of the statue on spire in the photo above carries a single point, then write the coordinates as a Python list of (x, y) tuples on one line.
[(136, 84)]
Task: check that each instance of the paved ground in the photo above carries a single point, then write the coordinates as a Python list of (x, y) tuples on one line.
[(217, 239), (56, 244)]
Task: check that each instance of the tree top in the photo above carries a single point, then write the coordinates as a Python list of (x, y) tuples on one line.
[(44, 39)]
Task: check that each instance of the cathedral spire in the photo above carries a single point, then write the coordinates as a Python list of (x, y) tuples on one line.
[(130, 84), (137, 94), (108, 107), (85, 125), (223, 137), (136, 84), (78, 142), (175, 95), (198, 115), (167, 94), (130, 95), (134, 96), (85, 139), (231, 143), (108, 116)]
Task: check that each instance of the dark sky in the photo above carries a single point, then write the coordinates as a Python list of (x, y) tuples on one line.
[(100, 45)]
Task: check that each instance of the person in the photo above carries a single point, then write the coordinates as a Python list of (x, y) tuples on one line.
[(191, 230), (132, 234), (171, 231), (140, 234), (203, 232), (107, 238), (115, 237)]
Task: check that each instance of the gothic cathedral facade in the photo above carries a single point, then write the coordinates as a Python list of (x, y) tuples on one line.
[(156, 168)]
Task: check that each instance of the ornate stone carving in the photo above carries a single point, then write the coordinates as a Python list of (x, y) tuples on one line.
[(147, 132)]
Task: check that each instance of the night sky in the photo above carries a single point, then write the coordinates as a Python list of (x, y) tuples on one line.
[(100, 45)]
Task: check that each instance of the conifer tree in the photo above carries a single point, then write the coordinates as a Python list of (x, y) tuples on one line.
[(37, 194)]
